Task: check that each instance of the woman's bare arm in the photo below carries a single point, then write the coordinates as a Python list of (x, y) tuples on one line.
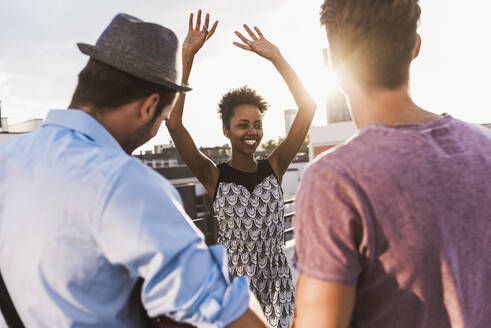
[(201, 166), (282, 156)]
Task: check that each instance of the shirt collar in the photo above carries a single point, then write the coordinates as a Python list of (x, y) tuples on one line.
[(80, 121)]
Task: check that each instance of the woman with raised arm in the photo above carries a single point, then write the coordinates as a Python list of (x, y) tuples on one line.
[(247, 195)]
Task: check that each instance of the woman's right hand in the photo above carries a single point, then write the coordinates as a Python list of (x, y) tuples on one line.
[(258, 44), (197, 35)]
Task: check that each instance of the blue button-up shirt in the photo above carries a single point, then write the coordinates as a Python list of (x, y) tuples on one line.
[(81, 221)]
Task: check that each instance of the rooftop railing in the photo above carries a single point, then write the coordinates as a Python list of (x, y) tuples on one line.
[(289, 219)]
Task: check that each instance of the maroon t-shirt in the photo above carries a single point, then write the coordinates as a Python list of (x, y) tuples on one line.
[(403, 213)]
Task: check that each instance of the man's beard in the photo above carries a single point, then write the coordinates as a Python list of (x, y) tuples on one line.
[(139, 137)]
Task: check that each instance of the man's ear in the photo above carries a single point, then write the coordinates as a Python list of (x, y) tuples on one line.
[(226, 131), (148, 107), (417, 46)]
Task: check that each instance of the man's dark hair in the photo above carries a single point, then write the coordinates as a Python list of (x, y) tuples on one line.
[(374, 38), (240, 96), (104, 88)]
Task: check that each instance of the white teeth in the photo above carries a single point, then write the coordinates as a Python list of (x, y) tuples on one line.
[(250, 142)]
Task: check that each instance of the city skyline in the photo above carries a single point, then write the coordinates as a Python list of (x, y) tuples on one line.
[(40, 61)]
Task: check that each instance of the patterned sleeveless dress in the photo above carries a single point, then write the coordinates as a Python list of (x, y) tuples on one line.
[(249, 209)]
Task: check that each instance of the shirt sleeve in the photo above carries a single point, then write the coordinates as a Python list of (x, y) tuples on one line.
[(144, 228), (327, 228)]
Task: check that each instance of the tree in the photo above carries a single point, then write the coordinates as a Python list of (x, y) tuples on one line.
[(304, 148), (271, 144)]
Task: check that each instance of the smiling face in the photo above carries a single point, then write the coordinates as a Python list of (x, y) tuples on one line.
[(245, 130)]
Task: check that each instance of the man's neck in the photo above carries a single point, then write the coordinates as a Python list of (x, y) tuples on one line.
[(115, 124), (388, 107)]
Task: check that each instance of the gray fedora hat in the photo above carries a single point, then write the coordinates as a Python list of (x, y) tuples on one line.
[(145, 50)]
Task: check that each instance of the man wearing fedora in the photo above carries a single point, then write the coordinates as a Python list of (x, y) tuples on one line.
[(87, 220)]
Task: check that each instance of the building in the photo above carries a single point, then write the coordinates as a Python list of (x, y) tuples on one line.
[(4, 127), (337, 109), (291, 179), (159, 149), (25, 126), (325, 137), (217, 154), (166, 155), (289, 118), (9, 131), (338, 129), (168, 159)]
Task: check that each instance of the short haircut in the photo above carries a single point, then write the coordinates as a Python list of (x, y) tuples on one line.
[(240, 96), (105, 88), (373, 38)]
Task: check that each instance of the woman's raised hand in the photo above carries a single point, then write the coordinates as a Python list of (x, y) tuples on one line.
[(197, 34), (258, 44)]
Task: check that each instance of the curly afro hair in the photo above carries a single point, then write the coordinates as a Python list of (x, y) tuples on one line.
[(240, 96)]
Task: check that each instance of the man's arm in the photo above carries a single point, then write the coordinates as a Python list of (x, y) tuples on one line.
[(140, 224), (252, 317), (321, 304), (328, 237)]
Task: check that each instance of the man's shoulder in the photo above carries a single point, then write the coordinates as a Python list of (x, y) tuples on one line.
[(367, 149), (377, 147), (140, 172), (135, 177), (340, 156), (12, 141), (471, 130)]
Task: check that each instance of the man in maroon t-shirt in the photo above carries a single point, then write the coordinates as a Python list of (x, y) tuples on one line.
[(393, 227)]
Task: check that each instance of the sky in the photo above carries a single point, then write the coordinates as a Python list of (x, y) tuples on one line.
[(39, 60)]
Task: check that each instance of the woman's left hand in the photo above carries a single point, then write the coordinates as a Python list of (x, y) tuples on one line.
[(197, 35), (258, 44)]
